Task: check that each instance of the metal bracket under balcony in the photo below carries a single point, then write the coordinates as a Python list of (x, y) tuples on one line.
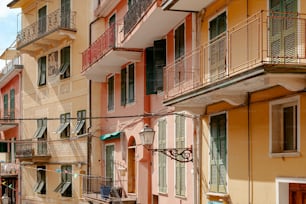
[(47, 33)]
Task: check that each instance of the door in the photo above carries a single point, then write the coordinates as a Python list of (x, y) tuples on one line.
[(109, 162), (112, 33), (283, 30), (65, 14), (297, 193), (179, 52), (132, 165), (42, 20)]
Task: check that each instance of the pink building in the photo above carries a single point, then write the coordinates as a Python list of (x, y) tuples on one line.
[(10, 86), (127, 58)]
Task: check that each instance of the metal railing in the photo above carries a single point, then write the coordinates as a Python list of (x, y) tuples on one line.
[(30, 148), (9, 169), (11, 65), (54, 21), (135, 13), (100, 47), (264, 38)]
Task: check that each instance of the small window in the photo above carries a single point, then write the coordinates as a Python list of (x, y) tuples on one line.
[(12, 104), (80, 127), (64, 128), (65, 187), (41, 130), (5, 106), (42, 72), (40, 186), (111, 93), (65, 63), (284, 116), (128, 85)]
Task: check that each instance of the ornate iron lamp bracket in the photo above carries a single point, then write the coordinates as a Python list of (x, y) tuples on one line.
[(179, 154)]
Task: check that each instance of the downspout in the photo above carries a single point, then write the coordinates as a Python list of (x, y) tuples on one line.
[(249, 152), (197, 157), (19, 136)]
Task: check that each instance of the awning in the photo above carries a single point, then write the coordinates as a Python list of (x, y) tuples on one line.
[(109, 136), (6, 126)]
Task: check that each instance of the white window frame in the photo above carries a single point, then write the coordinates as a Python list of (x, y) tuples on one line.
[(286, 102)]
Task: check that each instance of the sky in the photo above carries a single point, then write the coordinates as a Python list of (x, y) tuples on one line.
[(8, 27)]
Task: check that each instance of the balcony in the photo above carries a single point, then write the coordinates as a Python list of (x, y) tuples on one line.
[(8, 169), (104, 190), (105, 7), (181, 5), (106, 55), (12, 68), (47, 33), (31, 150), (140, 23), (251, 56)]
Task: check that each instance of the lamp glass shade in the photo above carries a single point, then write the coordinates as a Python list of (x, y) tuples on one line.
[(147, 136)]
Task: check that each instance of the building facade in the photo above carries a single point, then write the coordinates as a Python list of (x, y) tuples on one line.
[(247, 85), (127, 55), (58, 135)]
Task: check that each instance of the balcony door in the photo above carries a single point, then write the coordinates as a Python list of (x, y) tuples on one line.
[(179, 52), (65, 13), (112, 33), (283, 30), (109, 161), (217, 47), (42, 20)]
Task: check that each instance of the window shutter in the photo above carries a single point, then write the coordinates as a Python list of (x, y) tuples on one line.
[(161, 157), (123, 87), (131, 83), (111, 93), (150, 77), (5, 105), (159, 56), (12, 103)]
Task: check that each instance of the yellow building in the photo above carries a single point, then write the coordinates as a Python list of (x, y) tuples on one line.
[(246, 82), (58, 136)]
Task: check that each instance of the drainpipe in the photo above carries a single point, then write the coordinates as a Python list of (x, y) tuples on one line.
[(249, 153), (196, 157), (19, 194)]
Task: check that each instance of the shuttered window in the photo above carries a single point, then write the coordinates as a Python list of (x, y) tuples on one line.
[(128, 84), (180, 180), (155, 63), (109, 161), (5, 106), (162, 162), (218, 154), (111, 94), (12, 103), (42, 71)]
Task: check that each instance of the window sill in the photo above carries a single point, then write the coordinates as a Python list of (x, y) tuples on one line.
[(181, 197), (163, 194), (285, 154), (217, 196)]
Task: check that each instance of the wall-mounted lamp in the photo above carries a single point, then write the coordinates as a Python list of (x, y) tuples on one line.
[(178, 154)]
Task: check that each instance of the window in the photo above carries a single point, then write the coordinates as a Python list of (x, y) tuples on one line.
[(42, 20), (127, 85), (12, 103), (41, 130), (109, 161), (65, 63), (42, 72), (65, 187), (40, 186), (80, 127), (180, 180), (65, 13), (5, 106), (3, 147), (162, 162), (218, 154), (284, 116), (64, 128), (179, 51), (217, 47), (111, 94), (155, 63)]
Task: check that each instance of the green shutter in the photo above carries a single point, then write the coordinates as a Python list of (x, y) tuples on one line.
[(180, 185), (111, 93), (65, 13), (218, 154), (12, 103), (109, 161), (131, 87), (123, 87), (150, 77), (5, 105), (162, 173), (159, 63), (42, 20)]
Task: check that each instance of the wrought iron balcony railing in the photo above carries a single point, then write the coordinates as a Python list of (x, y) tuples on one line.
[(52, 22), (9, 169), (135, 13), (30, 148), (10, 66), (264, 38)]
